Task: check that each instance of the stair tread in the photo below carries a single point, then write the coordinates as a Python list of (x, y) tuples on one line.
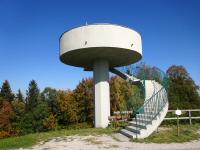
[(128, 133), (144, 114), (143, 119), (133, 129), (141, 126), (138, 123), (141, 123)]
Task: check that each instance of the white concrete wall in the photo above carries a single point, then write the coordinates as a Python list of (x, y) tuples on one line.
[(155, 123), (151, 88), (100, 35), (118, 45)]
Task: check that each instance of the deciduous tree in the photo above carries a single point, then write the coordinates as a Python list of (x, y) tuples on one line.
[(5, 111), (84, 95), (68, 108), (182, 90)]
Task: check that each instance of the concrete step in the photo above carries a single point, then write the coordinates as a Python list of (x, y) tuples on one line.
[(128, 133), (133, 129), (144, 116), (139, 125), (144, 120)]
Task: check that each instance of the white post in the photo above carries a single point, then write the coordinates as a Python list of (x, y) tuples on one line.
[(102, 93)]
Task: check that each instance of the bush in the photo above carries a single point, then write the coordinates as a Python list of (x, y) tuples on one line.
[(4, 134), (50, 122)]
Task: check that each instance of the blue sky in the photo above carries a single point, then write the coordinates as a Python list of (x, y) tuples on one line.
[(30, 31)]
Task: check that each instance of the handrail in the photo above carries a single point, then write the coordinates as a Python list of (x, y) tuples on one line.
[(153, 95), (152, 107)]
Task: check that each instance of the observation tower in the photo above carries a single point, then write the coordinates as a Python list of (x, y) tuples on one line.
[(99, 47)]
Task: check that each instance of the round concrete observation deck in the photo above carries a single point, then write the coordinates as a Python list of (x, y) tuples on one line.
[(116, 44)]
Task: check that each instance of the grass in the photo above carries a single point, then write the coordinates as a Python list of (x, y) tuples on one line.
[(32, 139), (187, 133)]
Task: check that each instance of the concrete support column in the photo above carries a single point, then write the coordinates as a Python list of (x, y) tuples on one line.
[(102, 93)]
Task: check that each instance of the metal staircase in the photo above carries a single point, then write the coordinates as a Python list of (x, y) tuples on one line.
[(151, 114)]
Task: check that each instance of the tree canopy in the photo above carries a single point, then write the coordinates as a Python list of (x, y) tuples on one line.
[(53, 109), (183, 92), (6, 91)]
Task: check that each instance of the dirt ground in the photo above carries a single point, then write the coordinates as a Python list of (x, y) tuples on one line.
[(108, 142)]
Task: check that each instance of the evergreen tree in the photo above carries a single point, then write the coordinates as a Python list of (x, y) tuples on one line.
[(35, 119), (40, 113), (50, 96), (37, 110), (6, 91), (19, 96), (17, 117), (32, 95)]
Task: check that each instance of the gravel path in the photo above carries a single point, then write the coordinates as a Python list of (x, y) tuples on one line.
[(106, 142)]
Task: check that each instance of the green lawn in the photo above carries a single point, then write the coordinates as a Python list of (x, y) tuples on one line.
[(187, 133), (32, 139)]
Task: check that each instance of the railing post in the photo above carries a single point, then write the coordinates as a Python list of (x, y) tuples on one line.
[(190, 117)]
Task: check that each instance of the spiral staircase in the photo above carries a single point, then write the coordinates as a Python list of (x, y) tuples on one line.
[(149, 116)]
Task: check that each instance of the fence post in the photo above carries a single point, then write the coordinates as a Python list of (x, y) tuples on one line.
[(177, 125), (190, 117)]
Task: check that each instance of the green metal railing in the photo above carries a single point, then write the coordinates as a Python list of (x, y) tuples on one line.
[(151, 108), (154, 105)]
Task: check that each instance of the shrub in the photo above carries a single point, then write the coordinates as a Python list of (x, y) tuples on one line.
[(4, 134), (50, 122)]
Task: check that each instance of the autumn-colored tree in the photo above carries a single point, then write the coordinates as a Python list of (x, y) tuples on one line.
[(68, 108), (124, 95), (5, 111), (117, 98), (50, 122), (84, 95)]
